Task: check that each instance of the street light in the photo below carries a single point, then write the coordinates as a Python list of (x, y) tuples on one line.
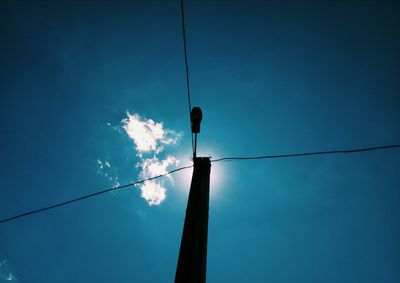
[(195, 119)]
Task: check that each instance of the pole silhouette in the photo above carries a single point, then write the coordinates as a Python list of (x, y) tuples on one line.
[(192, 259)]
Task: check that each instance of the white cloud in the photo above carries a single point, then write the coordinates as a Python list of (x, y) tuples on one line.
[(150, 138), (147, 135), (152, 167), (154, 191)]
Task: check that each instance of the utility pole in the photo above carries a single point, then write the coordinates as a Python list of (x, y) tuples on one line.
[(192, 259), (193, 252)]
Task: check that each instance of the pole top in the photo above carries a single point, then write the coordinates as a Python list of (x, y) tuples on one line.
[(202, 160)]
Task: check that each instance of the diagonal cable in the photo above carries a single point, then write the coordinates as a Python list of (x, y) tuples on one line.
[(90, 195), (303, 154)]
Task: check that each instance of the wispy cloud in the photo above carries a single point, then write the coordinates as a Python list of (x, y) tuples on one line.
[(105, 169), (5, 273), (10, 277)]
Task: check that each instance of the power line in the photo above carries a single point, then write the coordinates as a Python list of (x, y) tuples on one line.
[(185, 53), (341, 151), (91, 195), (186, 63)]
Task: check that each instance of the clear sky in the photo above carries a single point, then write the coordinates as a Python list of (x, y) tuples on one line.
[(271, 77)]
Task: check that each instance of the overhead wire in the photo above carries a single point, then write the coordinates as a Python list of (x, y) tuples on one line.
[(342, 151), (186, 64), (91, 195), (308, 153)]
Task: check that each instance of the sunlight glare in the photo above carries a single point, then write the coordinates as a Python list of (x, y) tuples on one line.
[(183, 178)]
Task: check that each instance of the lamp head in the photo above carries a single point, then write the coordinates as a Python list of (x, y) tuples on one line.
[(195, 119)]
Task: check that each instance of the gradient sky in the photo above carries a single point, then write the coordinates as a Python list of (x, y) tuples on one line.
[(271, 77)]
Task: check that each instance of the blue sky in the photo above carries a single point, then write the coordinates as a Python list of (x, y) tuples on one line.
[(270, 76)]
